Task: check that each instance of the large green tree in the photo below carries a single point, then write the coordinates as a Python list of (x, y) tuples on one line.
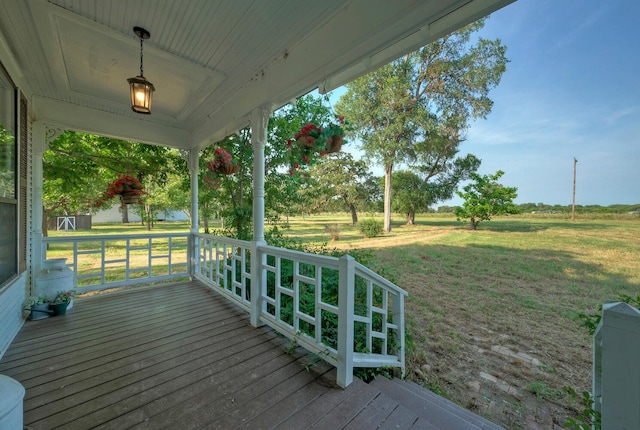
[(416, 109), (433, 182), (344, 184), (78, 167), (412, 194), (484, 198)]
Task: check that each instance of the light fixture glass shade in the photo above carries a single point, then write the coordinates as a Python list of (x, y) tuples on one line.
[(141, 94)]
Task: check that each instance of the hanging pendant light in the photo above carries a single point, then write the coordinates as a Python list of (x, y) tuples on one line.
[(141, 89)]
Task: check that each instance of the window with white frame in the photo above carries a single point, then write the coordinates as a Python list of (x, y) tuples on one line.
[(8, 180)]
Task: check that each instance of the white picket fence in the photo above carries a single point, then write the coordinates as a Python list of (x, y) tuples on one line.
[(334, 307)]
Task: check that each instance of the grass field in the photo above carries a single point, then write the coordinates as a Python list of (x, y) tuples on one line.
[(492, 313)]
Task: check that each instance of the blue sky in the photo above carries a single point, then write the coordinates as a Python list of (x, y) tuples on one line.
[(571, 89)]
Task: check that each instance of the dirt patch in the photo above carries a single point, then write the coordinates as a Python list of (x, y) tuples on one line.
[(500, 364)]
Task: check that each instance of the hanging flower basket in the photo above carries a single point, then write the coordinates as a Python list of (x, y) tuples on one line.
[(128, 187), (130, 198), (313, 140), (222, 163), (229, 169), (334, 143)]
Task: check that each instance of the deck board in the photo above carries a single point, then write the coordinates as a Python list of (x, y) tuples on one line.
[(180, 356)]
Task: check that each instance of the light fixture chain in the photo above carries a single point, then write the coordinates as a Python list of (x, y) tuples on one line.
[(141, 41)]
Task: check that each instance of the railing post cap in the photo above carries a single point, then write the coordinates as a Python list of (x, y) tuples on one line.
[(620, 308), (347, 257)]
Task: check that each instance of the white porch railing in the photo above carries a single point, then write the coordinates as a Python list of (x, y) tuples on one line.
[(334, 307), (616, 374), (110, 261)]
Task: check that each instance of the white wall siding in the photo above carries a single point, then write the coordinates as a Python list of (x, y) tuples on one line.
[(12, 298)]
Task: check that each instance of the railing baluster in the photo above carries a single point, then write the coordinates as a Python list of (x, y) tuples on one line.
[(100, 249), (346, 301), (222, 264)]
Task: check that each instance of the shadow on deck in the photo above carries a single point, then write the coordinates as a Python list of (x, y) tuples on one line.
[(179, 356)]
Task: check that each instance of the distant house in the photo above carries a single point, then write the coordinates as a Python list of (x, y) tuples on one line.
[(113, 215)]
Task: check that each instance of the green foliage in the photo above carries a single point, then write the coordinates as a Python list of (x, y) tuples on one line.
[(368, 374), (435, 181), (78, 168), (542, 391), (591, 321), (342, 183), (416, 108), (333, 230), (330, 287), (411, 196), (484, 198), (36, 300), (8, 162), (588, 418), (287, 194), (370, 227)]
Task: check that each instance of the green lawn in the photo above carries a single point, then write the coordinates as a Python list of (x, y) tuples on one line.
[(479, 300)]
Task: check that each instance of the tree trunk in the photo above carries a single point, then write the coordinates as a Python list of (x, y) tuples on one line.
[(387, 198), (205, 221), (354, 215), (411, 218), (474, 224), (124, 211)]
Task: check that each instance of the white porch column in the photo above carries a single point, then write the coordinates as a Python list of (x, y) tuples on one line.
[(41, 135), (193, 163), (38, 146), (259, 122)]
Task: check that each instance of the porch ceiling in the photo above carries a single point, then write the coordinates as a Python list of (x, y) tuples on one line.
[(211, 62)]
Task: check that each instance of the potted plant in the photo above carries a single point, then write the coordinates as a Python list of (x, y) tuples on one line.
[(223, 162), (314, 140), (128, 187), (39, 308), (61, 302)]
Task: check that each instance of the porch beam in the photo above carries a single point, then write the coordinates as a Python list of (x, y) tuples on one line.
[(119, 126)]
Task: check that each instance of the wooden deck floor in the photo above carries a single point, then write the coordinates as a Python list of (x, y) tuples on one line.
[(180, 357)]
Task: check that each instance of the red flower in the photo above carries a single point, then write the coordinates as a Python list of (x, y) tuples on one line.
[(220, 158), (124, 185), (311, 141)]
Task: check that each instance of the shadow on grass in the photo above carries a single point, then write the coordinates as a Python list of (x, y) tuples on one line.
[(548, 280), (519, 225)]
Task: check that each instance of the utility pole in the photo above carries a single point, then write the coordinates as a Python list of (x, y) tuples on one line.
[(573, 200)]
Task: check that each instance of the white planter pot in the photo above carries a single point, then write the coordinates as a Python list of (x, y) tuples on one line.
[(55, 276), (11, 396)]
